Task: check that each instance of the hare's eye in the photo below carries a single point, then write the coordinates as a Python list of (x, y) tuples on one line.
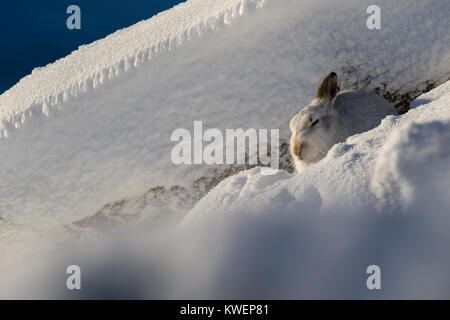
[(314, 123)]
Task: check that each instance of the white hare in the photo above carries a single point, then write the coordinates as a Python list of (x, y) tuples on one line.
[(332, 117)]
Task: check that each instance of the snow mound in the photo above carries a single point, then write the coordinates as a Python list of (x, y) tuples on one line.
[(103, 116), (228, 197), (101, 136), (381, 167), (414, 159)]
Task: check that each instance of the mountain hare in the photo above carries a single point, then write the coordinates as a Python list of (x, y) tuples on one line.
[(332, 117)]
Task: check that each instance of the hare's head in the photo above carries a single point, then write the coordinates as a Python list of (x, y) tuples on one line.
[(317, 127)]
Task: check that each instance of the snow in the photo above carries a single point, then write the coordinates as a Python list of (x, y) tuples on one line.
[(274, 237), (402, 153), (414, 159), (93, 64), (94, 128), (99, 145)]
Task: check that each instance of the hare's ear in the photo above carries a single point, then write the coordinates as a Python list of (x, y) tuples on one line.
[(328, 89)]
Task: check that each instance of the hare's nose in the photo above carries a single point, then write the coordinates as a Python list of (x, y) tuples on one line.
[(297, 148)]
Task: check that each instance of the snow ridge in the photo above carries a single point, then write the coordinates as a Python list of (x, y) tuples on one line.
[(387, 167), (104, 60)]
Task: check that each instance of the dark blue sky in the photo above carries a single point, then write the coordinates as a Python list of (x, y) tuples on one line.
[(34, 33)]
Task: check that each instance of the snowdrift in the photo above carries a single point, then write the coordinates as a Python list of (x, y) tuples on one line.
[(93, 129), (382, 167), (380, 198), (101, 118)]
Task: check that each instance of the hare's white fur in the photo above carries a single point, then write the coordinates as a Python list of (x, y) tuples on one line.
[(339, 116)]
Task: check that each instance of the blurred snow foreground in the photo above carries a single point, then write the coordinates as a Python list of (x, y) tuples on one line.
[(86, 142)]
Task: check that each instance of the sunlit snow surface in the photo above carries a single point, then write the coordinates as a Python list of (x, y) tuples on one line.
[(94, 128)]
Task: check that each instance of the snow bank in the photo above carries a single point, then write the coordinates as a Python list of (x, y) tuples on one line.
[(415, 161), (275, 237), (392, 159), (105, 140), (102, 135)]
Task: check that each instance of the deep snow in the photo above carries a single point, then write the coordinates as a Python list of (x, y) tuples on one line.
[(94, 129), (293, 236), (113, 141), (385, 167)]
